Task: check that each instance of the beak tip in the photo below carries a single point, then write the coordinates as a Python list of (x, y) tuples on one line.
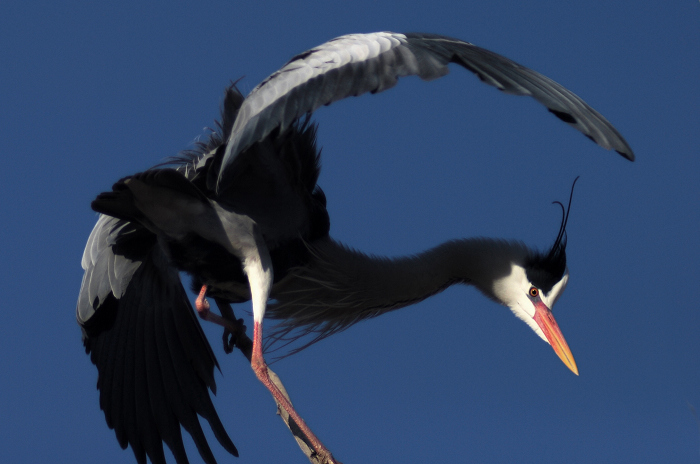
[(571, 364), (544, 319)]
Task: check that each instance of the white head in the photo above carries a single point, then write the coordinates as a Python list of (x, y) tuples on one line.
[(532, 302), (535, 282)]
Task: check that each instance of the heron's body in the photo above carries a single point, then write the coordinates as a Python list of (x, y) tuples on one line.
[(244, 217)]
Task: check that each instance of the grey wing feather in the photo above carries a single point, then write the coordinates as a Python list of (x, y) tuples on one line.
[(154, 363), (510, 77), (105, 272), (358, 63)]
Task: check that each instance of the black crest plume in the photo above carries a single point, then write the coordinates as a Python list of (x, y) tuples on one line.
[(545, 270)]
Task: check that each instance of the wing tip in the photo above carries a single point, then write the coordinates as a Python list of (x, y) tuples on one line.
[(628, 154)]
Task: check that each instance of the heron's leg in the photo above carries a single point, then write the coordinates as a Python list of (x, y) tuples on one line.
[(261, 371), (258, 267), (203, 309), (234, 329)]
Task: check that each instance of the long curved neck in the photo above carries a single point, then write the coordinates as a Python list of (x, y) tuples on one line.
[(341, 286)]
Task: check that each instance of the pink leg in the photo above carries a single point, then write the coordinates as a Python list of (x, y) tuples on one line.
[(202, 306), (260, 369)]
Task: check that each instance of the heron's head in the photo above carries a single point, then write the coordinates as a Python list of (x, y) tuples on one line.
[(532, 288), (531, 298)]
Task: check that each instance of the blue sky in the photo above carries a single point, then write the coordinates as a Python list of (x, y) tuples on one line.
[(95, 91)]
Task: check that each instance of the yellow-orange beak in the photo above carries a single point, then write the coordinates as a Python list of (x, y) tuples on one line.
[(545, 319)]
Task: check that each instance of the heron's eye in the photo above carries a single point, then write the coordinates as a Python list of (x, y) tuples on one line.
[(534, 292)]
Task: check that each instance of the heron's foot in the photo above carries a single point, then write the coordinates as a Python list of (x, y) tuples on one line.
[(229, 341), (201, 303), (231, 337), (203, 309)]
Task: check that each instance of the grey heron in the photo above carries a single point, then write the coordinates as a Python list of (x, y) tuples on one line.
[(243, 215)]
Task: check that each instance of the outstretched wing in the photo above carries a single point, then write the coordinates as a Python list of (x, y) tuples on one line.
[(358, 63), (153, 360)]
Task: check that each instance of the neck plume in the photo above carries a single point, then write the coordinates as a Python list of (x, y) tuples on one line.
[(341, 286)]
